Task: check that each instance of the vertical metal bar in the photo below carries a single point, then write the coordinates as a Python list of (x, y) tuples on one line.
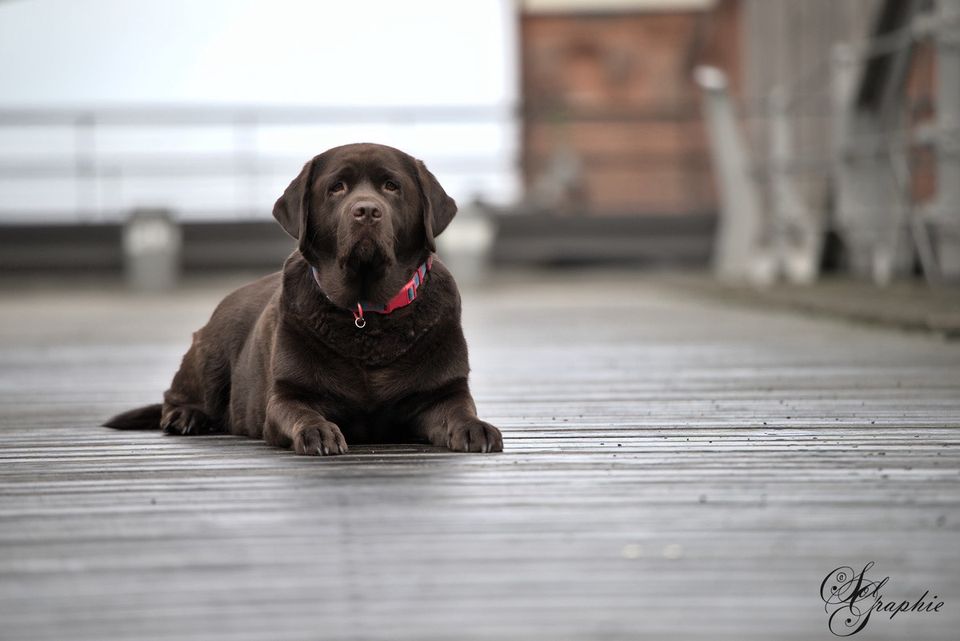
[(947, 207), (777, 142), (85, 166), (843, 78), (900, 168), (245, 162), (796, 229)]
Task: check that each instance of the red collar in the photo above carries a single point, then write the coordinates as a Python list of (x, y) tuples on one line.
[(404, 297)]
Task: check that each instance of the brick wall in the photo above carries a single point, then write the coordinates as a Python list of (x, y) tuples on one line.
[(611, 94)]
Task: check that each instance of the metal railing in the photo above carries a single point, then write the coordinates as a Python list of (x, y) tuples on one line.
[(98, 163), (839, 154)]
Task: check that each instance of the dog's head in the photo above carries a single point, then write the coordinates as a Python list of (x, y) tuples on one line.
[(365, 215)]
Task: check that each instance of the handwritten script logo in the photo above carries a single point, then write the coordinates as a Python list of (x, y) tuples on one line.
[(850, 598)]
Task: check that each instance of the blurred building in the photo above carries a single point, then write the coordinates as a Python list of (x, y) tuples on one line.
[(578, 121), (613, 156), (611, 118)]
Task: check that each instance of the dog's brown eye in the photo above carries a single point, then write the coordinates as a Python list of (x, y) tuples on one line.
[(391, 186), (338, 187)]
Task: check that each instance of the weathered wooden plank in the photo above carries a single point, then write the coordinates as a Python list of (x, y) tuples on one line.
[(674, 468)]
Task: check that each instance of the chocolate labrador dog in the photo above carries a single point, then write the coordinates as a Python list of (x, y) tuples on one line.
[(358, 339)]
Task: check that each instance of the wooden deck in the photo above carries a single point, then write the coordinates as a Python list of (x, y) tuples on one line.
[(675, 468)]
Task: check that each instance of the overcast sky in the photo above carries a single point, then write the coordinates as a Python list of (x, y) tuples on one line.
[(257, 51), (94, 53)]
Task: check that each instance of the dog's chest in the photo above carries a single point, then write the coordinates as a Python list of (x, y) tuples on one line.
[(361, 386), (380, 386)]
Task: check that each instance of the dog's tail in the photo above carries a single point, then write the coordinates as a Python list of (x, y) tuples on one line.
[(142, 418)]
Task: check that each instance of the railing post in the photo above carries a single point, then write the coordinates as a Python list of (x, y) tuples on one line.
[(151, 250), (946, 218), (86, 187), (739, 227), (796, 230), (866, 199)]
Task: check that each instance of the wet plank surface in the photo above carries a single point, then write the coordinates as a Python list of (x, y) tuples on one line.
[(910, 305), (674, 468)]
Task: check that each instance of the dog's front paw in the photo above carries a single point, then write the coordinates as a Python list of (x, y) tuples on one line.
[(319, 438), (474, 435)]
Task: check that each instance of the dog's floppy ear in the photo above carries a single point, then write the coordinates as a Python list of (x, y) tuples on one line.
[(438, 208), (293, 207)]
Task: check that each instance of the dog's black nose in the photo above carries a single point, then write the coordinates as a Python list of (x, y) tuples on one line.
[(366, 211)]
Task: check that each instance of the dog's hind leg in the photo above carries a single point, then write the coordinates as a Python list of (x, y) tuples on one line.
[(182, 419), (198, 395)]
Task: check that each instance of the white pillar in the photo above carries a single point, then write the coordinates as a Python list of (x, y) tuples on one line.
[(739, 227)]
